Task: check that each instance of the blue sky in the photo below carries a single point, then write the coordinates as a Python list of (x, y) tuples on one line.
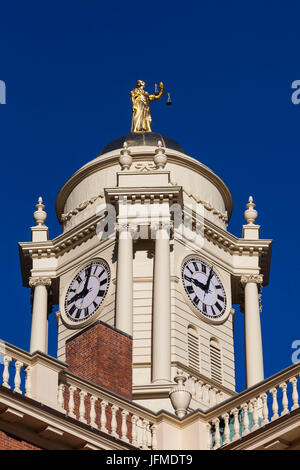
[(68, 68)]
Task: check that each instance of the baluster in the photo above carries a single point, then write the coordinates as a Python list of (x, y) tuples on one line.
[(93, 416), (265, 410), (60, 397), (192, 387), (219, 396), (145, 424), (28, 384), (213, 396), (124, 414), (236, 425), (226, 429), (216, 423), (209, 436), (295, 396), (134, 419), (82, 396), (154, 438), (206, 393), (103, 416), (245, 419), (17, 381), (6, 360), (199, 392), (254, 415), (72, 390), (274, 404), (114, 423), (285, 401)]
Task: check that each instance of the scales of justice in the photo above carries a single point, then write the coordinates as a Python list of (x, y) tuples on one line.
[(141, 113)]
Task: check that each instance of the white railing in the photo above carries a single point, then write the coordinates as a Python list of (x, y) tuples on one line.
[(254, 408), (203, 391), (16, 369), (107, 412)]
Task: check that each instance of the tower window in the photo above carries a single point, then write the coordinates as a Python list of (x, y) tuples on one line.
[(193, 349), (215, 361)]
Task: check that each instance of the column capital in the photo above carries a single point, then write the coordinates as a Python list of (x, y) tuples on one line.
[(255, 278), (40, 281)]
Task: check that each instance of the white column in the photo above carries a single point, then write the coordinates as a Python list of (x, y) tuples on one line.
[(39, 324), (161, 327), (253, 341), (124, 302)]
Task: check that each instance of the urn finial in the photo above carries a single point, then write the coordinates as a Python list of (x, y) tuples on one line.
[(180, 397), (160, 157), (40, 215), (250, 213), (125, 158)]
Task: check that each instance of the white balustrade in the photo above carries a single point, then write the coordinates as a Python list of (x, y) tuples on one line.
[(254, 413), (110, 418), (12, 374)]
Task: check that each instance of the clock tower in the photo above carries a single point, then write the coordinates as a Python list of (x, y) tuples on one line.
[(146, 274)]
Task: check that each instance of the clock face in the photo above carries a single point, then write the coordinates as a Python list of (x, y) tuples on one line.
[(203, 288), (87, 291)]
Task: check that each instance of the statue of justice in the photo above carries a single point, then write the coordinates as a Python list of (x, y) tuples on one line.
[(141, 113)]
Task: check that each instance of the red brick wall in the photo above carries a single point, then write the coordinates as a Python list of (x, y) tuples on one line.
[(103, 355), (8, 442)]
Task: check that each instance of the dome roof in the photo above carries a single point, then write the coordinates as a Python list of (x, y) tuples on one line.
[(135, 139)]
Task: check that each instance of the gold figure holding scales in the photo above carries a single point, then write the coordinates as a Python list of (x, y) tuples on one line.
[(141, 114)]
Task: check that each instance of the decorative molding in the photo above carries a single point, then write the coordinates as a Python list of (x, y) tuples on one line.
[(144, 166), (222, 215), (40, 281), (256, 278), (81, 207)]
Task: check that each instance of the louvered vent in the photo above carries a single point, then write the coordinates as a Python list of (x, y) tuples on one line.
[(215, 362), (193, 349)]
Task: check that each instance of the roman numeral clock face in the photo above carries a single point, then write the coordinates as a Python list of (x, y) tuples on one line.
[(203, 288), (87, 291)]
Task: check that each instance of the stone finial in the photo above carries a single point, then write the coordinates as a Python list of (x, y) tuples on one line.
[(180, 397), (125, 158), (160, 158), (40, 215), (250, 213)]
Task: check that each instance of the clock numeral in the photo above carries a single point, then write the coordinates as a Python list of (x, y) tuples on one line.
[(196, 300), (103, 282), (221, 298), (212, 309), (72, 309), (190, 289), (203, 268), (77, 314), (218, 286), (187, 278), (103, 271), (101, 293), (78, 279), (187, 267), (72, 290), (218, 306), (204, 308), (195, 266), (95, 304)]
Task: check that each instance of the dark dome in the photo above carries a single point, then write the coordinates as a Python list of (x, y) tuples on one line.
[(135, 139)]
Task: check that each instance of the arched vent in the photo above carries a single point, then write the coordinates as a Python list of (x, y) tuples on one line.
[(215, 361), (193, 348)]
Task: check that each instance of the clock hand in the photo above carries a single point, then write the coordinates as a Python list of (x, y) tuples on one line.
[(80, 294), (211, 273), (196, 282)]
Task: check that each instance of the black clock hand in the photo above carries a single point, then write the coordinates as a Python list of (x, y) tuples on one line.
[(211, 273), (196, 282)]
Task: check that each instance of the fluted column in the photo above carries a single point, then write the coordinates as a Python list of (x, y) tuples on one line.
[(39, 324), (253, 341), (124, 300), (161, 328)]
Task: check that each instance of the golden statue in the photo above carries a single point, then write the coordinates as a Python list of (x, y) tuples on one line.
[(141, 114)]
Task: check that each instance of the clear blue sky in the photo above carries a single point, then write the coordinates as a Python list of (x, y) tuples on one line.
[(69, 67)]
